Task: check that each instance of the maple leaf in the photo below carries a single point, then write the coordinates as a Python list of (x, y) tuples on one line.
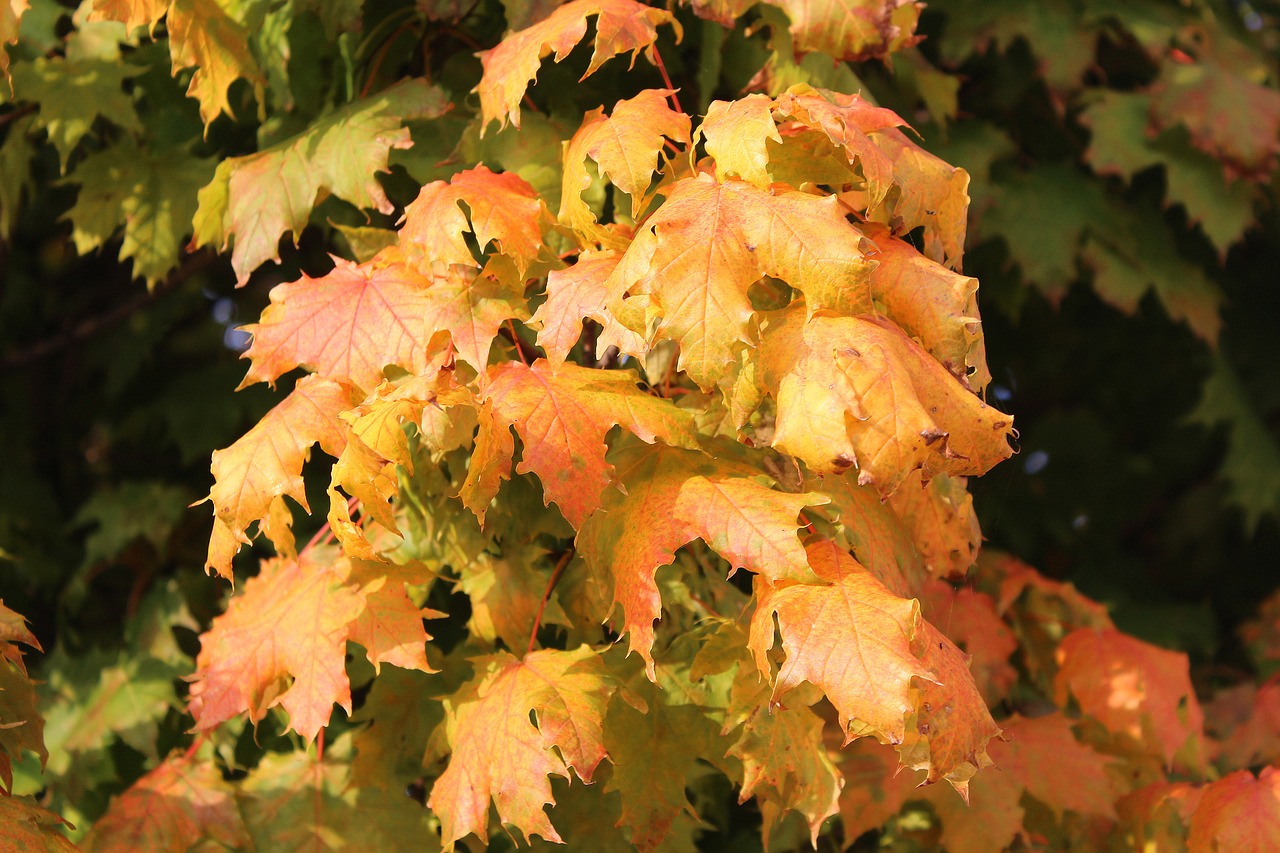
[(971, 621), (1228, 115), (562, 418), (627, 147), (303, 801), (737, 134), (932, 304), (726, 237), (131, 13), (667, 734), (672, 498), (390, 625), (203, 33), (875, 534), (850, 637), (150, 192), (175, 806), (471, 306), (951, 727), (26, 826), (73, 94), (1134, 689), (498, 754), (1238, 812), (346, 325), (1042, 758), (506, 598), (1247, 719), (580, 292), (856, 391), (852, 29), (785, 762), (292, 620), (266, 462), (621, 26), (1157, 814), (501, 208), (259, 197), (21, 726), (943, 524)]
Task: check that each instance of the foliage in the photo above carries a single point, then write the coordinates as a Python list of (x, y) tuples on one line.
[(648, 383)]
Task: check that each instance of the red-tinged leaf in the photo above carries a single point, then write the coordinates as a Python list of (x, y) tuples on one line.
[(850, 637), (726, 237), (856, 391), (950, 730), (576, 293), (471, 306), (937, 307), (1248, 720), (258, 198), (627, 147), (1239, 813), (970, 619), (621, 26), (653, 753), (500, 208), (876, 787), (672, 498), (131, 13), (737, 135), (266, 462), (390, 625), (292, 621), (346, 325), (203, 33), (25, 827), (498, 754), (562, 418), (13, 630), (1042, 757), (1134, 689), (1229, 116), (942, 522), (176, 806), (21, 724)]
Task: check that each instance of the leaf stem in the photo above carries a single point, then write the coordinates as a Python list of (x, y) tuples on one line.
[(556, 573), (666, 79), (515, 339), (376, 65)]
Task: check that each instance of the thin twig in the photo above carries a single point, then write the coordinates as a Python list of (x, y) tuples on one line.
[(551, 585), (515, 339)]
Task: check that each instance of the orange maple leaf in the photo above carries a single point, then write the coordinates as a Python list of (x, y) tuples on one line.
[(1239, 813), (499, 754), (672, 498), (850, 637), (726, 237), (500, 208), (562, 418), (266, 462), (621, 26), (1134, 689), (346, 325)]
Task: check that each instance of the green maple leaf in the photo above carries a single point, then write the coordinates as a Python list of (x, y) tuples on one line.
[(72, 95), (256, 199), (149, 192), (1122, 143)]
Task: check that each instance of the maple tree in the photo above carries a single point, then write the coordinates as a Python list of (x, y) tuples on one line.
[(633, 421)]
